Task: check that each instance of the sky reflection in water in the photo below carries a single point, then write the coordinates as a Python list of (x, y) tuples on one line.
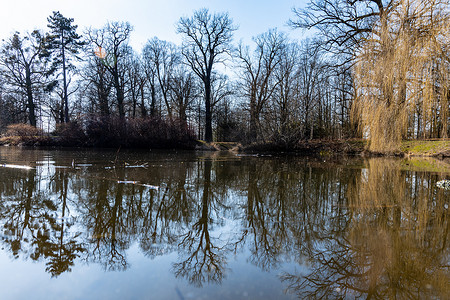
[(219, 226)]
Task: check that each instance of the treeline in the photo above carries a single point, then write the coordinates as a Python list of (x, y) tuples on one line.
[(373, 70)]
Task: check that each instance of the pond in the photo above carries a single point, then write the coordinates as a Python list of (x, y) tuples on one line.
[(85, 224)]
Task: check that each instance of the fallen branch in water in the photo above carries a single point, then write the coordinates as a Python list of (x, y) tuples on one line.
[(16, 167), (154, 187)]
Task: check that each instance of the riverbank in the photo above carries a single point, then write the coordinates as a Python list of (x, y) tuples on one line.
[(358, 147), (350, 147), (148, 133), (57, 141)]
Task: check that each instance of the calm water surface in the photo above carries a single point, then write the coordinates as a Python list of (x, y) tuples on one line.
[(168, 225)]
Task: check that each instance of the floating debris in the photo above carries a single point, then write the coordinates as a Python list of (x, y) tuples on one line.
[(127, 165), (127, 181), (16, 167), (153, 187), (136, 166), (443, 184)]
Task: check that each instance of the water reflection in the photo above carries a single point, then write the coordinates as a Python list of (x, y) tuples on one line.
[(371, 229), (393, 243)]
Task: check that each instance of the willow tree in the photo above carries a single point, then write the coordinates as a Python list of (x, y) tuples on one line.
[(206, 42), (402, 75)]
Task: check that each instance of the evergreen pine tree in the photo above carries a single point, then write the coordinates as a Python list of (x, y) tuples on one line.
[(65, 44)]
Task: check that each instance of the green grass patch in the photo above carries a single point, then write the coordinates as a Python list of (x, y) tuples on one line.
[(426, 164), (426, 148)]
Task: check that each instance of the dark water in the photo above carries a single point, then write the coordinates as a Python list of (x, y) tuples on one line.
[(167, 225)]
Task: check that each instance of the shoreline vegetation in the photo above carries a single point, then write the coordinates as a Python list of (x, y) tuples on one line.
[(373, 71), (155, 134)]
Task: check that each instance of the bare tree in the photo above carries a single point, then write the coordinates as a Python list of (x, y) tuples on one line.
[(404, 66), (286, 102), (135, 83), (342, 24), (110, 44), (22, 67), (97, 84), (206, 42), (257, 73), (183, 91), (309, 73), (162, 57)]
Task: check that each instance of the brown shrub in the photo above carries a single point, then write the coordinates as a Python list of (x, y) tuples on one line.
[(150, 132), (105, 131), (24, 134), (70, 134), (23, 130)]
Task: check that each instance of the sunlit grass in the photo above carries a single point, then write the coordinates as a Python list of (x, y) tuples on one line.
[(425, 148)]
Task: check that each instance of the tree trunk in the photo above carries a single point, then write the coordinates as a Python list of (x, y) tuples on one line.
[(66, 101), (253, 134), (133, 99), (208, 117), (103, 98), (153, 104), (143, 110), (30, 103), (120, 96)]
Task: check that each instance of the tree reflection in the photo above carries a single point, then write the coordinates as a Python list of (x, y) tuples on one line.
[(394, 245), (267, 232), (65, 248), (165, 213), (104, 220), (32, 225), (22, 211), (203, 261), (370, 228)]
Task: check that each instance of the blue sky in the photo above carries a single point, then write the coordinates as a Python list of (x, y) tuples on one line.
[(149, 18)]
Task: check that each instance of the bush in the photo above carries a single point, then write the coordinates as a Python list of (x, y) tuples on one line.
[(23, 130), (70, 134), (24, 134), (149, 132), (287, 137), (105, 131)]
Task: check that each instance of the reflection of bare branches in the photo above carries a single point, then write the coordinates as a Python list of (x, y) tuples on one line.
[(117, 261), (205, 262), (266, 218), (385, 251), (108, 224), (33, 219), (375, 269), (332, 274)]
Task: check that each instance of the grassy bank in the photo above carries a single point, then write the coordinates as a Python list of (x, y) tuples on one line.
[(420, 148), (426, 148), (313, 147)]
